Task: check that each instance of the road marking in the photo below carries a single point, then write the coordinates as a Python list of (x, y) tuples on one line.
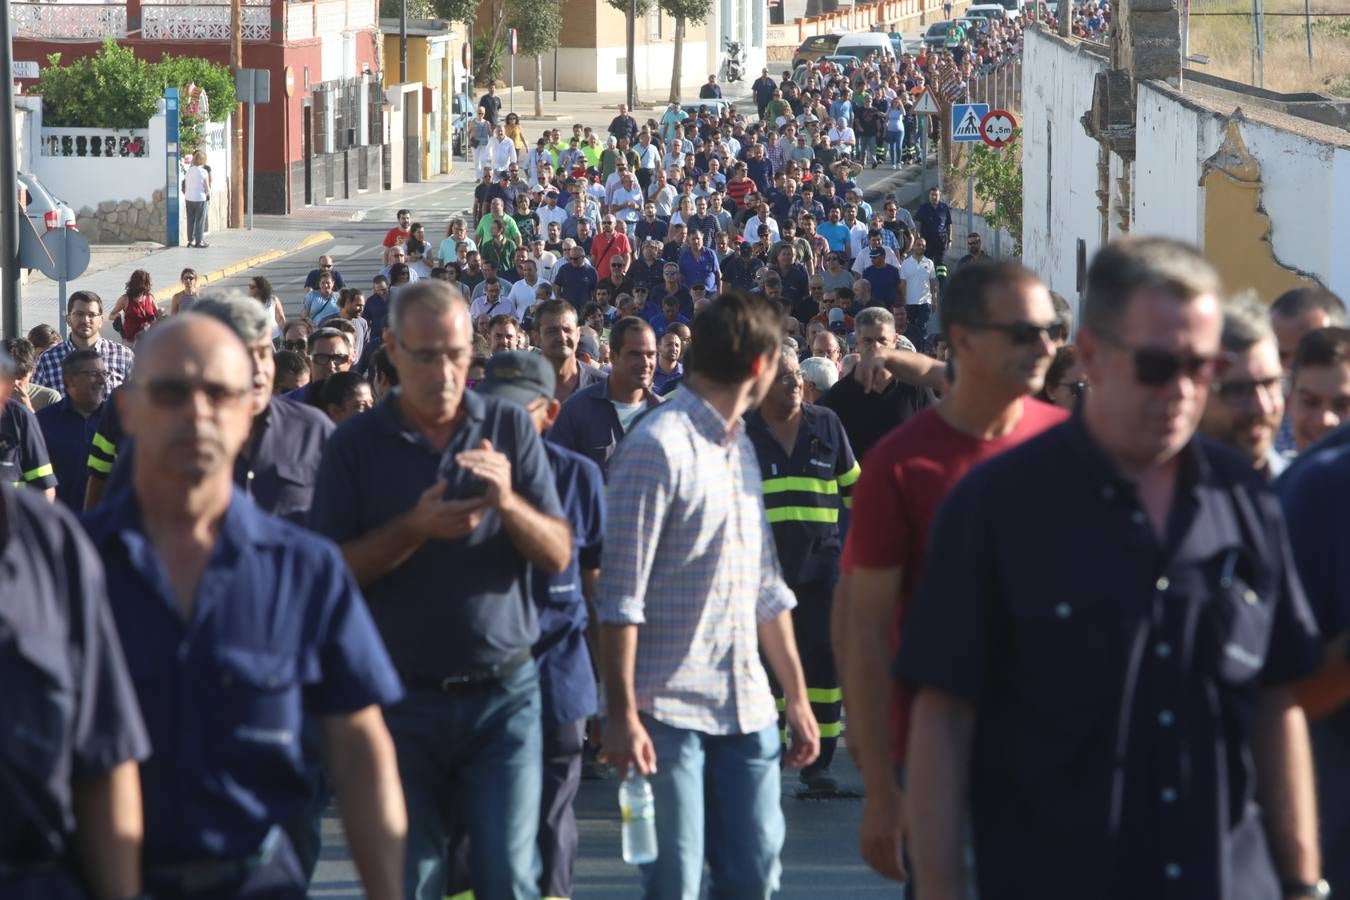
[(344, 250)]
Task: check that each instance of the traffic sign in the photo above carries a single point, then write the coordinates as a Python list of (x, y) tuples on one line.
[(926, 104), (25, 69), (966, 118), (512, 41), (996, 128), (66, 256)]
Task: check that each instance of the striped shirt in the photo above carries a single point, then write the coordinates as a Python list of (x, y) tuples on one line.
[(117, 357), (690, 558)]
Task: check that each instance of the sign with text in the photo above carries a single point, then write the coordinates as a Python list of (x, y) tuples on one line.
[(996, 128)]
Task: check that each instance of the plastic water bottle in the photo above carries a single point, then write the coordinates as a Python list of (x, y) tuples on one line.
[(637, 805)]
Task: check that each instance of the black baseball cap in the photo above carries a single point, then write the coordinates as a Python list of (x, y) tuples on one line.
[(518, 376)]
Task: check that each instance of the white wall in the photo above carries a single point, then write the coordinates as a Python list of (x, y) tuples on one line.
[(1305, 183), (88, 181), (1057, 90), (590, 69)]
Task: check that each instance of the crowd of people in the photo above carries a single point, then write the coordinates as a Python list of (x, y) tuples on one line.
[(677, 413)]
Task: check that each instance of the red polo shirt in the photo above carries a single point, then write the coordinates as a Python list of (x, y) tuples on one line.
[(905, 477)]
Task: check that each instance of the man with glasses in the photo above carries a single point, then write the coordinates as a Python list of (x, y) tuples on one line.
[(576, 280), (464, 487), (974, 244), (609, 245), (330, 352), (808, 470), (398, 256), (985, 411), (84, 318), (1125, 715), (1246, 401), (68, 426), (255, 623), (325, 267)]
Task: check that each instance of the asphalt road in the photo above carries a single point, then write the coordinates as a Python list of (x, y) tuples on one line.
[(820, 857)]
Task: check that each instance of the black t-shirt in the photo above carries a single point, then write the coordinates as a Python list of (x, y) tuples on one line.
[(868, 417)]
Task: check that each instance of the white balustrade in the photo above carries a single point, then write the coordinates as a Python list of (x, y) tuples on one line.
[(102, 143)]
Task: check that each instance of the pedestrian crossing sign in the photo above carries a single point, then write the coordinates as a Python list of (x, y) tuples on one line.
[(966, 118)]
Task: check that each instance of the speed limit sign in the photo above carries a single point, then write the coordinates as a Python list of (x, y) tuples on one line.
[(996, 128)]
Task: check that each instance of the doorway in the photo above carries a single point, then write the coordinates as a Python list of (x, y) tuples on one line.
[(307, 150)]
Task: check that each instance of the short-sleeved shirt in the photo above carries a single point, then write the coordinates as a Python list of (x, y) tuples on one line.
[(885, 282), (1314, 494), (23, 451), (907, 476), (689, 557), (1115, 674), (868, 416), (68, 706), (566, 676), (588, 423), (934, 222), (279, 464), (575, 284), (701, 269), (69, 436), (804, 492), (279, 631), (117, 357), (452, 605)]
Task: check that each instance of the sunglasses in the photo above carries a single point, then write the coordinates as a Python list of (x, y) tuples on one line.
[(1155, 366), (294, 345), (1024, 334), (340, 359), (174, 393), (1243, 391)]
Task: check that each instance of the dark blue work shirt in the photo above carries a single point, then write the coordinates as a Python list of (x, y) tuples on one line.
[(566, 678), (589, 424), (934, 222), (23, 452), (1115, 675), (452, 605), (279, 631), (67, 706), (1316, 496), (280, 462), (69, 437)]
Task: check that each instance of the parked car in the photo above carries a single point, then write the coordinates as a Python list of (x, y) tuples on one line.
[(975, 25), (45, 211), (693, 104), (863, 43), (935, 38), (987, 11), (814, 47), (462, 109)]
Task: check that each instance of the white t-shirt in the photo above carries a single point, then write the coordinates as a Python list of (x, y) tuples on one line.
[(195, 189), (623, 195), (627, 412), (548, 214), (918, 273), (522, 296), (864, 259), (752, 228)]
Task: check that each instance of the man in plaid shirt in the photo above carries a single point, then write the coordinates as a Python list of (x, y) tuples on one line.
[(84, 316), (690, 594)]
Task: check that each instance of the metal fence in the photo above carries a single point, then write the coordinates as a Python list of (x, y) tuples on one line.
[(1000, 87)]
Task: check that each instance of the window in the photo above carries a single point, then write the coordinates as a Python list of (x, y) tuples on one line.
[(654, 32)]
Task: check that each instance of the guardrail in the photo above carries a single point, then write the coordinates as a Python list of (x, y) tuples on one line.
[(89, 21)]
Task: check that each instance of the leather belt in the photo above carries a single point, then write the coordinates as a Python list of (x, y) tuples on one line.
[(469, 679)]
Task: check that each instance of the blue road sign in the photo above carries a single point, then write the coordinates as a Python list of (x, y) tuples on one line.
[(966, 119), (172, 171)]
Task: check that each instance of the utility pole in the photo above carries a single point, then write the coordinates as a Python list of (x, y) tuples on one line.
[(632, 52), (403, 42), (11, 291), (237, 125)]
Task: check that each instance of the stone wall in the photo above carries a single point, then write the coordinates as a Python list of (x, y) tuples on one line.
[(124, 221)]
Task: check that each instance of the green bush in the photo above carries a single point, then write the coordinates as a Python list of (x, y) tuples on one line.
[(115, 89)]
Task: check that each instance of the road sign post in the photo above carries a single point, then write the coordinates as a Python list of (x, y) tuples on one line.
[(252, 86), (512, 43)]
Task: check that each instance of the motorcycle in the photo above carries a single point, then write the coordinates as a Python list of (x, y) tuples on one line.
[(735, 62)]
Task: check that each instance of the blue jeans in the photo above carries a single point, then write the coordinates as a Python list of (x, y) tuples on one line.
[(470, 759), (895, 141), (917, 330), (717, 795)]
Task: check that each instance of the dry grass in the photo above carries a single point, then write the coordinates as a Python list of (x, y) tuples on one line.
[(1228, 41)]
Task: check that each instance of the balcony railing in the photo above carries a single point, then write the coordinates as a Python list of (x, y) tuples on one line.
[(163, 20), (95, 142)]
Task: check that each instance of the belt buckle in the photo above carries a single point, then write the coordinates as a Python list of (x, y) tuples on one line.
[(450, 682)]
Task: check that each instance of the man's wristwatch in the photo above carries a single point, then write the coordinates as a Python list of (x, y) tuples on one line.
[(1314, 890)]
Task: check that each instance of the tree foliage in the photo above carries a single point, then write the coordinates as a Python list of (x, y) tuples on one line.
[(625, 6), (997, 175), (464, 11), (538, 25), (419, 9), (683, 12), (116, 89)]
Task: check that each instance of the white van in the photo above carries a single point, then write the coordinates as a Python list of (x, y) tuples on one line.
[(860, 43)]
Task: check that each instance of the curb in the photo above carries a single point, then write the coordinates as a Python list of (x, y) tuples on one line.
[(269, 256)]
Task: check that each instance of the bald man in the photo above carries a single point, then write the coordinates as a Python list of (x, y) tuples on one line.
[(236, 624), (326, 267)]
